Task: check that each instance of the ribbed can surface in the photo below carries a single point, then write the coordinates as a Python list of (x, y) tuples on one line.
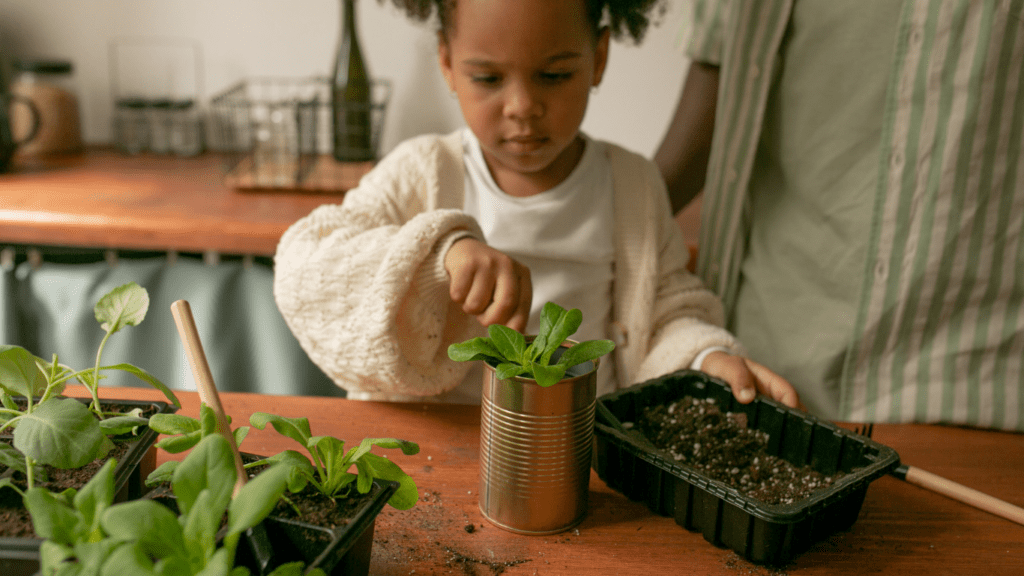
[(535, 450)]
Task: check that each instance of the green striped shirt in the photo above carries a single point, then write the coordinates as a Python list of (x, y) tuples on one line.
[(939, 330)]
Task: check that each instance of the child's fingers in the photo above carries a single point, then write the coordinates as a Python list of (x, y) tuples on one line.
[(524, 299), (504, 299), (481, 292)]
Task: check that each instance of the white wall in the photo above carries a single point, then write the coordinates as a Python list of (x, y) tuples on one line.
[(295, 38)]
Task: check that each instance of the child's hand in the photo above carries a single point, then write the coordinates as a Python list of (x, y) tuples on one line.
[(489, 284), (747, 378)]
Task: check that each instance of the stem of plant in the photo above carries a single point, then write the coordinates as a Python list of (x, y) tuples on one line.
[(30, 472), (10, 423), (93, 389)]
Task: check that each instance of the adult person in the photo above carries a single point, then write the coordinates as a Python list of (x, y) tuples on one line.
[(863, 193)]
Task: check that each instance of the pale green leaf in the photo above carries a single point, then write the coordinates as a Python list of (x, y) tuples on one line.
[(123, 306), (19, 372), (61, 433)]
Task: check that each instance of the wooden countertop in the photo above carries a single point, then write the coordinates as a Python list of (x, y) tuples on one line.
[(902, 529), (105, 199)]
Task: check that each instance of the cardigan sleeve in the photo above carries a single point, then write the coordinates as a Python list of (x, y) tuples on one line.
[(362, 285), (687, 317)]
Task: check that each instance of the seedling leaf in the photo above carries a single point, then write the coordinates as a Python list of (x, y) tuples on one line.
[(19, 373), (509, 342), (123, 306), (61, 433)]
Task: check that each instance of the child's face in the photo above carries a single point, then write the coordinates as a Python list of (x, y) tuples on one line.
[(522, 71)]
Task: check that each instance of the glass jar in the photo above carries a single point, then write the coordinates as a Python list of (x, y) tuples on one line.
[(131, 125), (49, 84)]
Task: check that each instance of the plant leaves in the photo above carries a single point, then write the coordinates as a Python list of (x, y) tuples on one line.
[(257, 498), (179, 444), (406, 496), (302, 469), (240, 433), (151, 525), (52, 518), (147, 378), (52, 555), (123, 306), (19, 373), (330, 451), (62, 433), (295, 428), (550, 314), (11, 458), (163, 473), (129, 558), (408, 448), (94, 498), (293, 569), (474, 349), (209, 466), (121, 424), (548, 375), (173, 423), (509, 370), (510, 343), (199, 527), (585, 351), (566, 325)]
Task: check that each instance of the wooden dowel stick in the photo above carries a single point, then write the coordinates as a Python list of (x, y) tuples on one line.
[(182, 313), (962, 493)]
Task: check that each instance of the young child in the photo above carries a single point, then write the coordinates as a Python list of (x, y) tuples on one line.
[(448, 234)]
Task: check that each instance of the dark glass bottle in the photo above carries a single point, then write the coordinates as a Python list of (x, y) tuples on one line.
[(350, 95)]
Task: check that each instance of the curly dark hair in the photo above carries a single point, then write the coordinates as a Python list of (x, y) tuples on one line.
[(622, 17)]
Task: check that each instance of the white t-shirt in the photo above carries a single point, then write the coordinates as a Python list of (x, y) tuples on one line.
[(563, 235)]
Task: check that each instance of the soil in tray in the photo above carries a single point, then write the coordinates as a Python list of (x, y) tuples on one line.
[(697, 433), (14, 518)]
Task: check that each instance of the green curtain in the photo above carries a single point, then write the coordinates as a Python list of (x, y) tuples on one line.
[(48, 308)]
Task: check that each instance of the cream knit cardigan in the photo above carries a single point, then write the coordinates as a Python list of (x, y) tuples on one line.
[(362, 285)]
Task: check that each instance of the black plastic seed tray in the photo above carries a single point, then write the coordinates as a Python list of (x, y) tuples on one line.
[(760, 532)]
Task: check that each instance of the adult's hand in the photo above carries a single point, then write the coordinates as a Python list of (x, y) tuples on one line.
[(748, 378)]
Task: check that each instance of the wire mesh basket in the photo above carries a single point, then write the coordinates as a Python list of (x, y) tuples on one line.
[(276, 133)]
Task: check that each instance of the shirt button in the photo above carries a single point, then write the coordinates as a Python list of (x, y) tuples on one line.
[(881, 271), (915, 36), (896, 160)]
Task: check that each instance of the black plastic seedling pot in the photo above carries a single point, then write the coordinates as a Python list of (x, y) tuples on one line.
[(760, 532), (20, 556), (344, 550)]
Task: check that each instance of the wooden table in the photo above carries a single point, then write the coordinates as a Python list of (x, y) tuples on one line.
[(902, 529), (105, 199)]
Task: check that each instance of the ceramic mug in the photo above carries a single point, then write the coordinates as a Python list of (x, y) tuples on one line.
[(7, 142)]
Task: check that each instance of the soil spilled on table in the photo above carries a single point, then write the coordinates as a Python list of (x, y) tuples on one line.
[(430, 538), (696, 432)]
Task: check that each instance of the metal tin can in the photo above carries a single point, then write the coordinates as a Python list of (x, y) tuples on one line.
[(535, 450)]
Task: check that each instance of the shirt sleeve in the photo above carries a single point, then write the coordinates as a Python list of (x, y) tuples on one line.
[(705, 24), (363, 288)]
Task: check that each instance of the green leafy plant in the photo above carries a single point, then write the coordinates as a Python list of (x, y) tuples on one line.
[(329, 471), (510, 354), (63, 432), (182, 433), (326, 469), (87, 535)]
